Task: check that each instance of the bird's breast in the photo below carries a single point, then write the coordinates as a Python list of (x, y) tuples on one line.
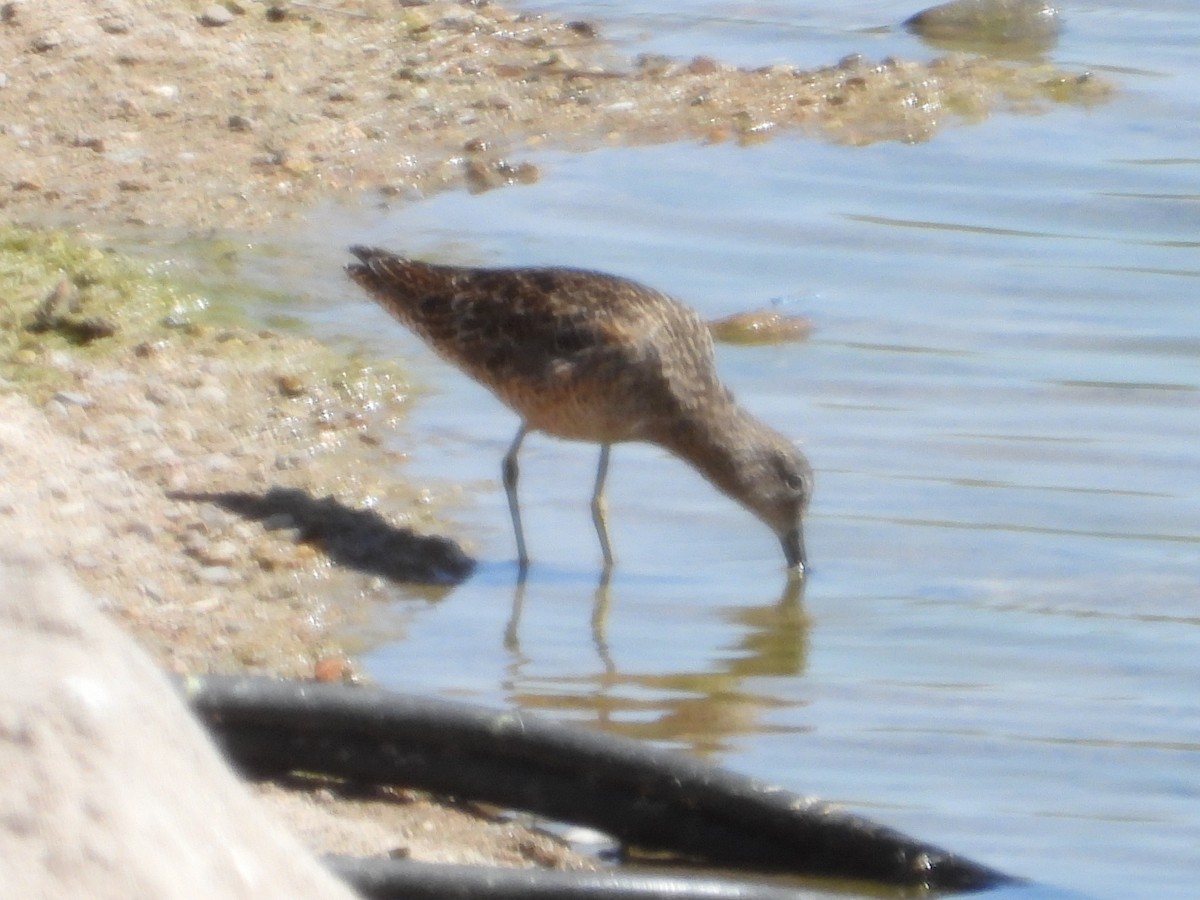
[(602, 411)]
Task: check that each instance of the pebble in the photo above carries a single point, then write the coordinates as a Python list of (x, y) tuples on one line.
[(270, 559), (286, 461), (215, 16), (291, 385), (143, 530), (583, 29), (177, 480), (102, 378), (153, 590), (74, 509), (212, 393), (89, 536), (175, 320), (73, 398), (57, 487), (206, 605), (163, 394), (656, 65), (115, 503), (251, 656), (484, 175), (46, 40), (217, 574), (219, 553), (89, 142), (184, 430), (212, 517), (86, 561), (218, 462), (116, 24), (143, 425), (332, 669), (278, 522)]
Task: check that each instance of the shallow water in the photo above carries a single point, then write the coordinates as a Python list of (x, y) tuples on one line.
[(999, 647)]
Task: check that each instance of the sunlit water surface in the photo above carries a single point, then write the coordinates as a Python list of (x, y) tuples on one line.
[(999, 647)]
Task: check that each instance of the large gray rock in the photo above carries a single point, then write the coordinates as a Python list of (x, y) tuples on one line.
[(110, 789)]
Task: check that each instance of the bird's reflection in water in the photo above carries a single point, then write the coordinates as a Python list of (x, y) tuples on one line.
[(698, 710)]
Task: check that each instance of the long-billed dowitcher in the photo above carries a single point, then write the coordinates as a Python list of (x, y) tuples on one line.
[(592, 357)]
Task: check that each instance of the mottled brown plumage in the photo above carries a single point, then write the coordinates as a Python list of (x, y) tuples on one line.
[(593, 357)]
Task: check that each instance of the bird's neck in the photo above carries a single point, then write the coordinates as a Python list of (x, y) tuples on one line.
[(716, 443)]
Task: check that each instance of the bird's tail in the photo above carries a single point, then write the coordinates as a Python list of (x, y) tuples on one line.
[(397, 283)]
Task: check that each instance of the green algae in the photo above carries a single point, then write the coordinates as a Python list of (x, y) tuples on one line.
[(58, 292), (65, 300)]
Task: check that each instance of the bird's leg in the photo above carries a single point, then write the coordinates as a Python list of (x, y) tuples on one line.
[(510, 471), (600, 508), (600, 606), (512, 631)]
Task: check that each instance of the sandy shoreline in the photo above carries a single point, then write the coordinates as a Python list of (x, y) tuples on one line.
[(142, 114)]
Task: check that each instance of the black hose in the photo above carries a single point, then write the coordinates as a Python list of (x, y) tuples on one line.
[(385, 879), (643, 796)]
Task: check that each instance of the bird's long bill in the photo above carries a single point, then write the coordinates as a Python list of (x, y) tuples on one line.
[(793, 550)]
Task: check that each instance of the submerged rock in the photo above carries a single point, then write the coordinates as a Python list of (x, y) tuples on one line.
[(989, 26), (760, 327)]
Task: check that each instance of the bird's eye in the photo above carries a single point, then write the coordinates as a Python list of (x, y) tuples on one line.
[(793, 479)]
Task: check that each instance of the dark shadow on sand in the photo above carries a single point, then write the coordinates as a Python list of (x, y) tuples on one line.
[(360, 539)]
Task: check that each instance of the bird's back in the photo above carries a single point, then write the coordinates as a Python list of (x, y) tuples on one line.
[(578, 354)]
